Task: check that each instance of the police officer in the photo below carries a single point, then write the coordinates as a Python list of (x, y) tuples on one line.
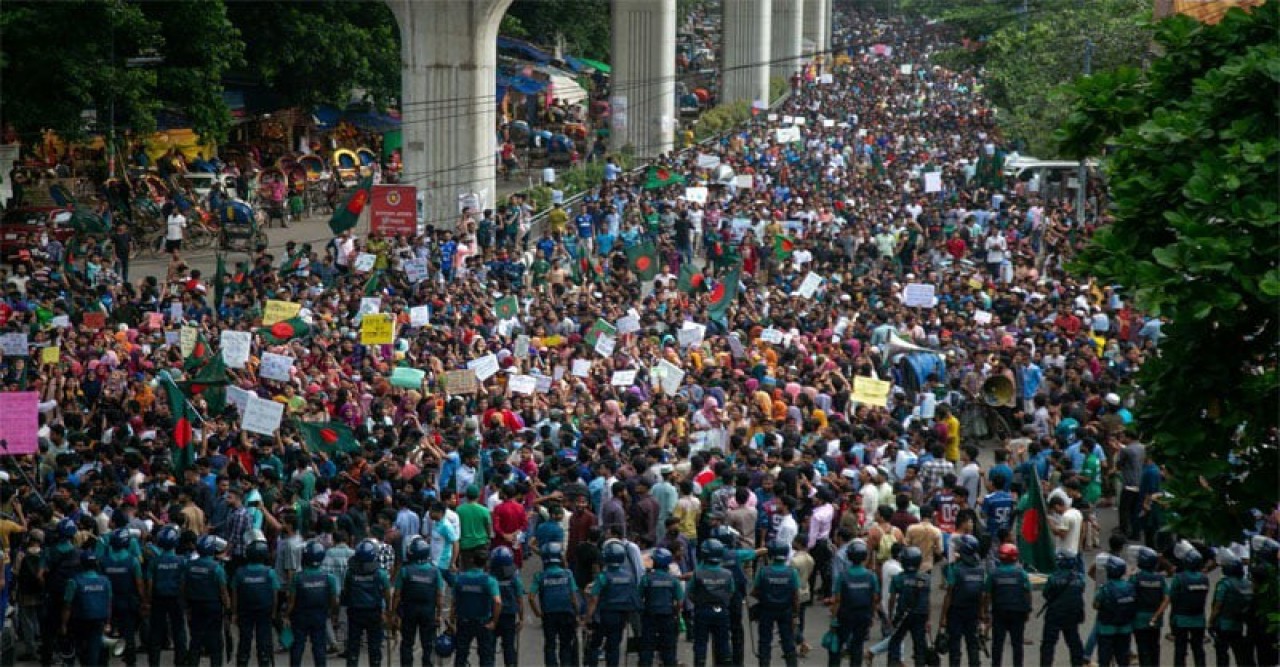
[(909, 606), (1263, 573), (59, 564), (164, 587), (1188, 590), (1063, 609), (253, 595), (204, 588), (554, 599), (857, 596), (1232, 605), (616, 595), (366, 593), (777, 586), (313, 596), (1117, 604), (477, 604), (711, 590), (502, 566), (418, 601), (962, 608), (124, 571), (1008, 592), (1149, 587), (661, 595), (87, 610)]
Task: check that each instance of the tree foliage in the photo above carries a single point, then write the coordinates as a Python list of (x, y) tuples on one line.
[(1192, 162), (584, 24), (200, 45)]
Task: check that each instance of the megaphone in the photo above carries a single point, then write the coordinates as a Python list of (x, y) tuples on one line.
[(113, 645), (723, 175), (897, 345), (997, 391)]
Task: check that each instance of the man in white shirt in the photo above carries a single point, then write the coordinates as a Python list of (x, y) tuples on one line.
[(870, 495), (175, 227), (787, 528), (1065, 522)]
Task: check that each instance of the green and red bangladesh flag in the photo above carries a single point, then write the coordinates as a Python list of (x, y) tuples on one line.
[(285, 331), (331, 438), (185, 420), (660, 177), (1035, 541), (643, 260), (691, 280), (783, 247), (348, 214), (506, 308), (723, 295)]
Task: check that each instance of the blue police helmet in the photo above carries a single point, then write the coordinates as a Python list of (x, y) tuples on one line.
[(210, 545), (553, 554), (1065, 560), (258, 552), (167, 538), (858, 551), (1192, 560), (444, 645), (661, 559), (967, 546), (722, 533), (312, 554), (712, 551), (419, 550), (911, 559), (120, 539), (1264, 550), (1147, 559), (1116, 568), (1231, 564), (501, 558), (89, 559), (778, 550), (366, 552), (66, 529), (615, 553)]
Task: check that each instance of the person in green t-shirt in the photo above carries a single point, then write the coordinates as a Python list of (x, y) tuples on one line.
[(476, 524)]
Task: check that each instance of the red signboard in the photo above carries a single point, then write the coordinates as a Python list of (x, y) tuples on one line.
[(395, 210)]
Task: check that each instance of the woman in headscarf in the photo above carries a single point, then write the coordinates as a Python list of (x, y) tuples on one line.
[(708, 422)]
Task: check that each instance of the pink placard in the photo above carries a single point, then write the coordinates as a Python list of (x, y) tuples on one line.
[(18, 423)]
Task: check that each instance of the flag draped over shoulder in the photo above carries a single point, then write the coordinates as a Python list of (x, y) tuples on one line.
[(348, 214), (1035, 541)]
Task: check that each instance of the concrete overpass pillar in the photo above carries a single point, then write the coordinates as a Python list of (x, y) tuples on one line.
[(788, 29), (448, 101), (643, 100), (817, 14), (746, 51)]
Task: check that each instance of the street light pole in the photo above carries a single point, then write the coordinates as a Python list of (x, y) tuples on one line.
[(1082, 173)]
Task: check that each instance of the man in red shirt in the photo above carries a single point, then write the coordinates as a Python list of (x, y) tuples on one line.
[(509, 520)]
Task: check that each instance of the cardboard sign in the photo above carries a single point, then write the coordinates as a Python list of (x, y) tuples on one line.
[(235, 348), (744, 181), (708, 161), (981, 317), (521, 350), (364, 262), (95, 320), (623, 378), (691, 334), (275, 366), (155, 321), (870, 391), (628, 324), (771, 336), (672, 377), (415, 270), (239, 397), (187, 340), (735, 346), (394, 210), (420, 316), (933, 181), (61, 322), (50, 355), (485, 367), (19, 422), (600, 327), (918, 295), (279, 311), (605, 345), (378, 329), (581, 368), (786, 135), (810, 286), (697, 195), (544, 384), (369, 304), (407, 378), (460, 381), (523, 384), (262, 416)]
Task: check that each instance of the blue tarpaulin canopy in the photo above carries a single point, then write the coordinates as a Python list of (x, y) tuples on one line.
[(521, 84), (328, 117), (525, 49)]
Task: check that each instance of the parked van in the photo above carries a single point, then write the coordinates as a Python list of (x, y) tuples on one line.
[(1049, 177)]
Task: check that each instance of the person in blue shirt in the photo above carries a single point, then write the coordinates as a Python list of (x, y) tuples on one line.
[(615, 593), (777, 586), (549, 530), (502, 566), (553, 597), (87, 609), (366, 593), (856, 596), (204, 588), (997, 506), (477, 604), (418, 601), (163, 589), (711, 590), (124, 570), (253, 598), (313, 595)]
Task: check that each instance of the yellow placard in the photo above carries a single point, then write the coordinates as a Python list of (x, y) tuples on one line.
[(51, 355), (975, 283), (378, 329), (552, 341), (870, 391), (279, 311)]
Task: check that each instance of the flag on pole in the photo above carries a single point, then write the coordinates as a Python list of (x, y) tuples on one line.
[(723, 295), (661, 177), (184, 420), (348, 214), (1035, 541), (783, 246)]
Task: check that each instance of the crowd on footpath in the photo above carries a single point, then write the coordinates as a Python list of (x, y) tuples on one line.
[(696, 406)]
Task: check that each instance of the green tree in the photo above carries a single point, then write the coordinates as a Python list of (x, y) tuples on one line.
[(1192, 156), (584, 24), (199, 46)]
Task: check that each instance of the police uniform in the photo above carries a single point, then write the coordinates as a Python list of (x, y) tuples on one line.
[(1235, 595), (911, 613), (856, 591), (164, 586), (965, 585), (1008, 588), (711, 592), (617, 596), (473, 593), (557, 594), (60, 564), (255, 586), (1117, 605), (1149, 589), (1264, 576), (203, 584), (1188, 592), (364, 594), (125, 573), (88, 597), (660, 594), (510, 590), (777, 586), (313, 591), (1064, 612), (734, 558), (418, 585)]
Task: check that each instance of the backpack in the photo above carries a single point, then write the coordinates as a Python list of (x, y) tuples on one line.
[(884, 550)]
